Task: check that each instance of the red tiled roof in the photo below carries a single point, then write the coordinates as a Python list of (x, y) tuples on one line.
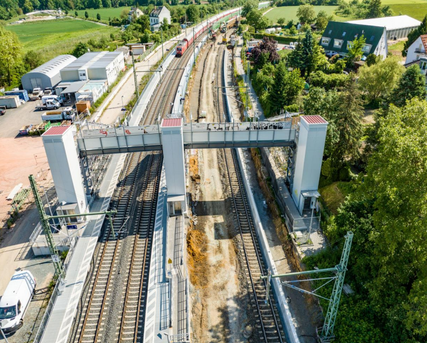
[(56, 131), (314, 119), (172, 122)]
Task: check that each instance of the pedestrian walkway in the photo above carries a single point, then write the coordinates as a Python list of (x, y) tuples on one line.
[(256, 110), (125, 90)]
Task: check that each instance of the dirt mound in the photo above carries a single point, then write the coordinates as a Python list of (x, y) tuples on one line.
[(197, 258)]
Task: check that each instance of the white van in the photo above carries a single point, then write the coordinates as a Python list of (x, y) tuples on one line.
[(15, 301), (51, 97)]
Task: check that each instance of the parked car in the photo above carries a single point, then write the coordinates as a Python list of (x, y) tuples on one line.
[(331, 53), (2, 110)]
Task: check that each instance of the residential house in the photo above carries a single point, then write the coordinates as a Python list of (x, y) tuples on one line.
[(417, 49), (338, 38), (157, 17), (134, 13)]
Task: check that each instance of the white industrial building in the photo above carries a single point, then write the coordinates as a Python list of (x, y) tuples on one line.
[(157, 16), (46, 75), (103, 65), (397, 27)]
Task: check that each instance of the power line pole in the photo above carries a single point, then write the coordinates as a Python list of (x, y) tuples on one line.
[(327, 333), (161, 32), (134, 76), (329, 324), (46, 229), (46, 226), (194, 48)]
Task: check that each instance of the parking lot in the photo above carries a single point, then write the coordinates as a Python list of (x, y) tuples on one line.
[(15, 118), (20, 157)]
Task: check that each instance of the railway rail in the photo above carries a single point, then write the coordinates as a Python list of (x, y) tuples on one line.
[(112, 308), (268, 327)]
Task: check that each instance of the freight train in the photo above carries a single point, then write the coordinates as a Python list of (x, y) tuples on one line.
[(202, 27)]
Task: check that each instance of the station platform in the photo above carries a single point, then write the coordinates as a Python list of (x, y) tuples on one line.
[(65, 300)]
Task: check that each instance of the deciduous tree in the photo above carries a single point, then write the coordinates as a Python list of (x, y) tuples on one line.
[(411, 85), (306, 14), (193, 13), (281, 21), (379, 80), (355, 52), (257, 20), (10, 53), (397, 181), (268, 47), (321, 20), (374, 9), (249, 6), (80, 49)]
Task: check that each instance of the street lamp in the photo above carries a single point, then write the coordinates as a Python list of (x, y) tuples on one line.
[(123, 108)]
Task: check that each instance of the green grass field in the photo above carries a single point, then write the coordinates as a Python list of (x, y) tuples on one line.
[(414, 8), (55, 37), (290, 13), (105, 13)]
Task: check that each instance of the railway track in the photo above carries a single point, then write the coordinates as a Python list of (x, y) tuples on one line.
[(112, 308), (268, 327)]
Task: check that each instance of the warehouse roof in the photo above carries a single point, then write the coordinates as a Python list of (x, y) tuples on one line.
[(74, 87), (53, 67), (390, 23), (99, 59)]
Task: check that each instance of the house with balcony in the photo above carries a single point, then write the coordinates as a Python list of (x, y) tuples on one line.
[(338, 38), (417, 50), (157, 17)]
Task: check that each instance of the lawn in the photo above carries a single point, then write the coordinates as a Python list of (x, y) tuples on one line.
[(290, 13), (105, 13), (54, 37), (396, 49), (417, 11)]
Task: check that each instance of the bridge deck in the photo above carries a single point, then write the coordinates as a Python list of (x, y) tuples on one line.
[(195, 135)]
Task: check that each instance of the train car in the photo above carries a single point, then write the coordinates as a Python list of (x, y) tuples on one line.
[(180, 49), (199, 29)]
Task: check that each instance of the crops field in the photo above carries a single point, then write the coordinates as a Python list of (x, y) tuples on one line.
[(290, 13), (54, 37), (105, 13)]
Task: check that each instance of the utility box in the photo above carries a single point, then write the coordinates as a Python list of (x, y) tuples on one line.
[(10, 101), (22, 93)]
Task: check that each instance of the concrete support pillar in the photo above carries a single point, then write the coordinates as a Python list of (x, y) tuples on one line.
[(64, 165), (308, 161), (174, 161)]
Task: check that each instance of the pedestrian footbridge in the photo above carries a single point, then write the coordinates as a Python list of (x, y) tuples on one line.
[(125, 139)]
